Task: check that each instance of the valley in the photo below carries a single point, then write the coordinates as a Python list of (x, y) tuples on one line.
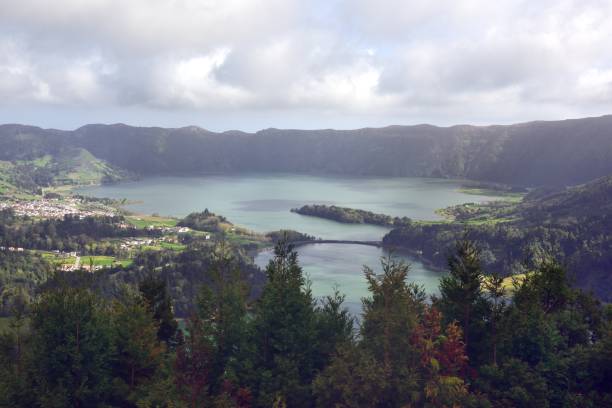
[(74, 223)]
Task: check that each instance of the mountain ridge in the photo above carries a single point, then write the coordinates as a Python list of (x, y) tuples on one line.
[(530, 154), (424, 124)]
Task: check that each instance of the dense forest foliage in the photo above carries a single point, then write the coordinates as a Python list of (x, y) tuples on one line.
[(350, 215), (204, 221), (202, 326), (21, 273), (478, 344), (289, 236), (71, 233), (521, 154), (573, 224), (184, 272)]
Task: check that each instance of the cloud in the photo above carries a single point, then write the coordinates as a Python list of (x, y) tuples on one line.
[(443, 61)]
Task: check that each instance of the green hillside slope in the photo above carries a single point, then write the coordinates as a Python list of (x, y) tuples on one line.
[(572, 225), (555, 153)]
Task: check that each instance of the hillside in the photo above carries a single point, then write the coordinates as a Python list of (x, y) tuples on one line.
[(556, 153), (58, 167), (571, 224)]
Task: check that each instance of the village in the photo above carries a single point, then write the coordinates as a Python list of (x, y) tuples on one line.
[(68, 261), (58, 208)]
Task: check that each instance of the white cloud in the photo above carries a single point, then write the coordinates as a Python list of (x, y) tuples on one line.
[(19, 79), (192, 82), (408, 61)]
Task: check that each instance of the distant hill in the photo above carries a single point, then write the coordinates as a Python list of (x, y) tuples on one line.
[(58, 166), (556, 153), (573, 225)]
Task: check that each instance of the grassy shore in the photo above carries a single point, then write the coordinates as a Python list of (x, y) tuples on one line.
[(143, 221), (511, 196)]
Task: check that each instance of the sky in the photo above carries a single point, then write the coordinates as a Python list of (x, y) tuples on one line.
[(254, 64)]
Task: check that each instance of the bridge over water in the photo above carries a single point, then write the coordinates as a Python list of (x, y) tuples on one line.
[(334, 241)]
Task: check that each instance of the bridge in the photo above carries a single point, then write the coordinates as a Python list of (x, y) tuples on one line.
[(334, 241)]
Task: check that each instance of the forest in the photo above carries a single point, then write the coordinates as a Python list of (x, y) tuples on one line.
[(71, 233), (190, 321), (480, 343), (572, 224), (350, 215), (23, 272)]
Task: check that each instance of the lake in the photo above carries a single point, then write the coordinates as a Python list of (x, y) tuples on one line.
[(333, 265), (261, 202)]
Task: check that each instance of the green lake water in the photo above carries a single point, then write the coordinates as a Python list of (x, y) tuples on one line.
[(261, 202)]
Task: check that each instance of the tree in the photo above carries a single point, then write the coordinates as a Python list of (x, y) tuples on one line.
[(139, 352), (72, 349), (279, 364), (513, 384), (222, 308), (155, 294), (496, 294), (353, 379), (461, 294), (193, 365), (335, 328), (546, 287), (389, 319), (443, 361), (14, 383)]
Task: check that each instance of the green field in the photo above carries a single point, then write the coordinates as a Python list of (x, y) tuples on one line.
[(502, 195), (241, 239), (101, 260), (143, 221), (172, 246), (164, 245), (56, 259)]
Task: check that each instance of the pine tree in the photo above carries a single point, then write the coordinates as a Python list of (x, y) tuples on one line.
[(139, 352), (280, 363), (15, 387), (389, 320), (495, 293), (222, 307), (335, 328), (353, 379), (192, 368), (461, 296), (155, 294), (72, 349)]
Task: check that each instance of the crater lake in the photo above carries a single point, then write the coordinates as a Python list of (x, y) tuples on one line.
[(262, 203)]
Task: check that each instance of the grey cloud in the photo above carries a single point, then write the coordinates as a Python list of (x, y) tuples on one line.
[(380, 61)]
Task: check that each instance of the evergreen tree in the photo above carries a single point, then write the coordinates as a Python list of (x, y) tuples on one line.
[(335, 328), (139, 352), (280, 363), (72, 349), (222, 307), (155, 294), (353, 379), (14, 377), (496, 295), (194, 361), (461, 297), (390, 317)]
